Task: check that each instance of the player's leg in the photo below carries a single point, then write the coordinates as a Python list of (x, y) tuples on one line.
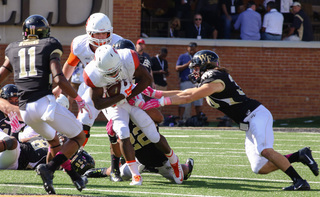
[(120, 119), (84, 92), (262, 138), (147, 126), (48, 129)]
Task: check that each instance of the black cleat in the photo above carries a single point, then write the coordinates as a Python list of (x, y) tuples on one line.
[(80, 183), (190, 164), (115, 177), (47, 177), (306, 158), (298, 185), (96, 173)]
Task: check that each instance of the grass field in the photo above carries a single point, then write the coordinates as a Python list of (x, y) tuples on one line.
[(221, 168)]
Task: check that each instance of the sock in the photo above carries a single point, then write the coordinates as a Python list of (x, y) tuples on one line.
[(70, 171), (172, 157), (294, 157), (133, 166), (87, 137), (115, 163), (292, 173), (55, 163)]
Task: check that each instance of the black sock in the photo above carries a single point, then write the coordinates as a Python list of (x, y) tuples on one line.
[(73, 174), (294, 157), (115, 163), (292, 173), (55, 163)]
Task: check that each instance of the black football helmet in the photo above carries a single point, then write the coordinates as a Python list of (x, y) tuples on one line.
[(124, 44), (82, 162), (205, 59), (9, 90), (35, 26)]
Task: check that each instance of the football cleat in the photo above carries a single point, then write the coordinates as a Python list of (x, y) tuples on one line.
[(115, 176), (177, 172), (300, 184), (306, 158), (80, 183), (136, 180), (190, 164), (96, 173), (47, 177)]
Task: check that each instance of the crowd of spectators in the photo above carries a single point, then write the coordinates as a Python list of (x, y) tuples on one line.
[(228, 19)]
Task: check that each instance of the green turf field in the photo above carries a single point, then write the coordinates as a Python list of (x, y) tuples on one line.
[(221, 168)]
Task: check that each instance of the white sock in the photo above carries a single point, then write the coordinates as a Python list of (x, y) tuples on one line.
[(133, 166), (172, 157)]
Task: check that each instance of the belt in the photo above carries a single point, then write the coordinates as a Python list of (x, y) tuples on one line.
[(273, 34)]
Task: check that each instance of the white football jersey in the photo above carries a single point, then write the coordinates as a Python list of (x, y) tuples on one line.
[(81, 49), (129, 60)]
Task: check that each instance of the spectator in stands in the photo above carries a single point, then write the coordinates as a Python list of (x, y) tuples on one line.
[(140, 46), (229, 14), (210, 11), (301, 28), (250, 23), (174, 27), (272, 23), (159, 66), (182, 67), (285, 10), (200, 30)]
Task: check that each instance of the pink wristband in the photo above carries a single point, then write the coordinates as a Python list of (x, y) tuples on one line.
[(167, 101)]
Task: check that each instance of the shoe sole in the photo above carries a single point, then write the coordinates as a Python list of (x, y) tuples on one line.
[(48, 187)]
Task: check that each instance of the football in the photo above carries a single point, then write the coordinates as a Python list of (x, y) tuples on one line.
[(113, 89)]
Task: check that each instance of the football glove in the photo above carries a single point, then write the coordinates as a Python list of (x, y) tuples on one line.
[(152, 93), (126, 88), (16, 126), (83, 105), (155, 103)]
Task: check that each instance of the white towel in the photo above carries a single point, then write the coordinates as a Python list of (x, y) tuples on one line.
[(49, 113)]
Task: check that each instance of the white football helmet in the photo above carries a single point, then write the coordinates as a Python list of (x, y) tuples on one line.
[(63, 101), (108, 62), (99, 23)]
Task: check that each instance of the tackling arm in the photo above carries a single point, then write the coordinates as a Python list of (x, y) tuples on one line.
[(5, 70), (145, 79)]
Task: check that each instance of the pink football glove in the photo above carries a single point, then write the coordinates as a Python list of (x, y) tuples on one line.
[(137, 101), (83, 105), (14, 122), (152, 93), (155, 103)]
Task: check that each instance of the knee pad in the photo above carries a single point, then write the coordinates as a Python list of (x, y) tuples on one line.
[(151, 132), (121, 129), (10, 143)]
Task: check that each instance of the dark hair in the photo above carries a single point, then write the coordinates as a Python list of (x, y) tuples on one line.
[(250, 3), (193, 44), (164, 50), (271, 4)]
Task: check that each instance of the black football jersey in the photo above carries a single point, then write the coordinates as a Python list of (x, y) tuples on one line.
[(30, 60), (232, 101), (146, 151), (33, 153)]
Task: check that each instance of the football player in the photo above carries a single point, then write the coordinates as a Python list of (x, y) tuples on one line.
[(223, 93), (149, 159), (99, 31), (114, 66), (35, 62)]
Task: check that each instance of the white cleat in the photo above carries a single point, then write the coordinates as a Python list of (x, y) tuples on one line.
[(177, 172), (136, 180)]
